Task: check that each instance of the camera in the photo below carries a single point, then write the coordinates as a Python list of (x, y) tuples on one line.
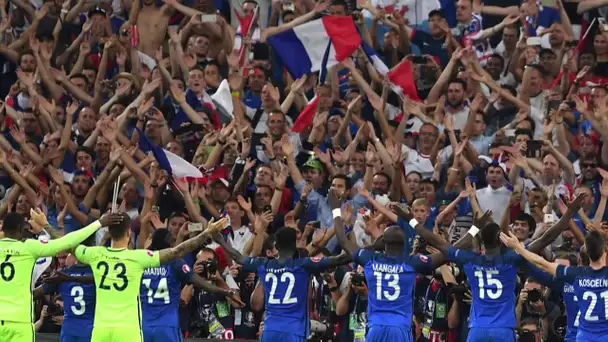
[(209, 268), (358, 279), (534, 296)]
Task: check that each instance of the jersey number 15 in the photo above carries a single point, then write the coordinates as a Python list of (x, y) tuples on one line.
[(488, 280)]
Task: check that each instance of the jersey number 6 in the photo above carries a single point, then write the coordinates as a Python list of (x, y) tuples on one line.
[(121, 274), (7, 269)]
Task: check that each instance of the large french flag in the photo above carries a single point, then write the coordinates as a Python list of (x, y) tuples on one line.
[(175, 165), (305, 48)]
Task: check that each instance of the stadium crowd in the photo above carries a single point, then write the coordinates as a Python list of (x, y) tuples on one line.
[(485, 132)]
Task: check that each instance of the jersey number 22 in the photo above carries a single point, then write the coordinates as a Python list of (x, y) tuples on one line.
[(286, 277)]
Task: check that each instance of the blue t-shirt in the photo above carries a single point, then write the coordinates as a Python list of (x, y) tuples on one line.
[(492, 280), (160, 292), (591, 290), (286, 291), (570, 300), (78, 301), (391, 282)]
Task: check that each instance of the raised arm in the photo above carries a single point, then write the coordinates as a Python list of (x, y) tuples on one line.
[(512, 242), (169, 254), (552, 233), (349, 246), (233, 253), (71, 240)]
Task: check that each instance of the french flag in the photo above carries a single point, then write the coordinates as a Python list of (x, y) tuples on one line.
[(401, 76), (531, 27), (175, 165), (304, 48), (306, 117)]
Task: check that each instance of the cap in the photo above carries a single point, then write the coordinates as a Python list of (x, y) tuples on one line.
[(221, 180), (436, 12), (97, 10), (313, 163)]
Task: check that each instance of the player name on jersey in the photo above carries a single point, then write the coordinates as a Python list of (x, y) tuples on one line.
[(592, 282), (156, 271), (388, 268)]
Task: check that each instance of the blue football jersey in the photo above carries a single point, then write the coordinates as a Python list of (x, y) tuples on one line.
[(160, 292), (286, 290), (391, 282), (78, 301), (591, 290), (568, 295), (492, 280)]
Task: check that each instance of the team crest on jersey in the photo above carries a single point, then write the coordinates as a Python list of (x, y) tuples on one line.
[(150, 253), (315, 259), (423, 258), (185, 268)]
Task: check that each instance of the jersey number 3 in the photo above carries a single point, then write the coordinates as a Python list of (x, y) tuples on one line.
[(488, 280), (286, 277), (121, 273), (80, 306)]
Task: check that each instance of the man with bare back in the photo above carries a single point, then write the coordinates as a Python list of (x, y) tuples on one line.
[(152, 23)]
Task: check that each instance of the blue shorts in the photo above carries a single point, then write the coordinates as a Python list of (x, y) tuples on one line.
[(274, 336), (387, 333), (491, 335), (162, 334), (66, 337)]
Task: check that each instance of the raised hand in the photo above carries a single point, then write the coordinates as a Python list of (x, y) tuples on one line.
[(402, 212), (111, 219), (510, 240), (335, 202), (287, 146), (321, 6), (214, 227), (577, 203), (18, 134), (37, 220), (481, 221), (245, 204)]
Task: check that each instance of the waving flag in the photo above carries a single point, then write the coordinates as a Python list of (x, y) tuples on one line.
[(304, 48), (305, 118), (175, 165), (401, 77), (531, 27)]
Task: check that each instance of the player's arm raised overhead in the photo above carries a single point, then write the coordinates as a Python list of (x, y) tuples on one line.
[(432, 239), (71, 240), (512, 242), (169, 254), (346, 244), (552, 233)]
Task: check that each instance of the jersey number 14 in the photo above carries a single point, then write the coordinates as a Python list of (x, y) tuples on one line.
[(162, 291)]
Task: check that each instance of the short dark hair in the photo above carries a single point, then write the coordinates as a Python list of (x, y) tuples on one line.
[(345, 178), (13, 223), (119, 230), (286, 239), (459, 81), (86, 150), (596, 245), (384, 174), (529, 220), (495, 55), (521, 131), (490, 235), (82, 76)]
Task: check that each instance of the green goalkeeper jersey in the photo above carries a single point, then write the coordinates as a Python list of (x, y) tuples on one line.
[(118, 274), (17, 261)]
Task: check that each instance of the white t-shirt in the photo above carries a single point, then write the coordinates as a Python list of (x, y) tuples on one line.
[(496, 200), (240, 239)]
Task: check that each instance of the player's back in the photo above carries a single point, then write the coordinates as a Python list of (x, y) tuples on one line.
[(492, 280), (78, 301), (286, 286), (16, 266), (591, 290), (391, 282), (160, 293), (118, 274)]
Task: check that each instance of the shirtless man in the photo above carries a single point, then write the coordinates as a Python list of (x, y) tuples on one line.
[(152, 24)]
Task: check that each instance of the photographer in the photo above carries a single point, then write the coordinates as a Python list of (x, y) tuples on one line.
[(245, 319), (210, 314), (533, 304), (326, 293), (352, 308)]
